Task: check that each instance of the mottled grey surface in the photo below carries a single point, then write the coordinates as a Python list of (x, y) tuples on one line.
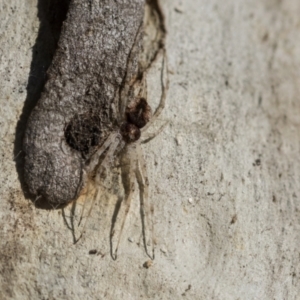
[(224, 174), (89, 68)]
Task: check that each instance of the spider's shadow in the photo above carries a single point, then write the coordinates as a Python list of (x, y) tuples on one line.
[(51, 14), (112, 228)]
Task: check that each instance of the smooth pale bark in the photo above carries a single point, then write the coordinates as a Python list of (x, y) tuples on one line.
[(224, 174)]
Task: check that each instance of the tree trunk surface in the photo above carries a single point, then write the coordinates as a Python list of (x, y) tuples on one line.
[(224, 173)]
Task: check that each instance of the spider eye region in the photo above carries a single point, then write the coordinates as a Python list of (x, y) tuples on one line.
[(138, 112)]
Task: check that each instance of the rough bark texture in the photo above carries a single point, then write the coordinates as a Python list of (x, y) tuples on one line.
[(97, 54), (224, 174)]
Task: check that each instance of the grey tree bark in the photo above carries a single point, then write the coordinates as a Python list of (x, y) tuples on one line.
[(79, 103), (224, 174)]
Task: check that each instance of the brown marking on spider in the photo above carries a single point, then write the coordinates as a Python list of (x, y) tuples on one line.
[(138, 112)]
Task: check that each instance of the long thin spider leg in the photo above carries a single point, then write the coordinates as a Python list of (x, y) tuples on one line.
[(87, 217), (149, 136), (97, 196), (94, 160), (143, 87), (129, 187), (70, 223), (85, 202), (109, 158), (145, 209), (104, 165), (163, 94), (126, 85)]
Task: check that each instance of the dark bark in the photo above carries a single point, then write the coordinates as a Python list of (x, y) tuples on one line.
[(88, 72)]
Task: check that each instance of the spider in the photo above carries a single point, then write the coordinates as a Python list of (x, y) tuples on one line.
[(135, 118)]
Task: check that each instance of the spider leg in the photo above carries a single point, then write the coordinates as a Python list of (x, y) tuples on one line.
[(149, 136), (143, 86), (127, 86), (84, 204), (145, 209), (112, 142), (94, 197), (129, 187), (163, 94), (70, 223)]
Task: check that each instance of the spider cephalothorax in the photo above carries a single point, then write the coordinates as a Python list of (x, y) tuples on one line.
[(137, 114)]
